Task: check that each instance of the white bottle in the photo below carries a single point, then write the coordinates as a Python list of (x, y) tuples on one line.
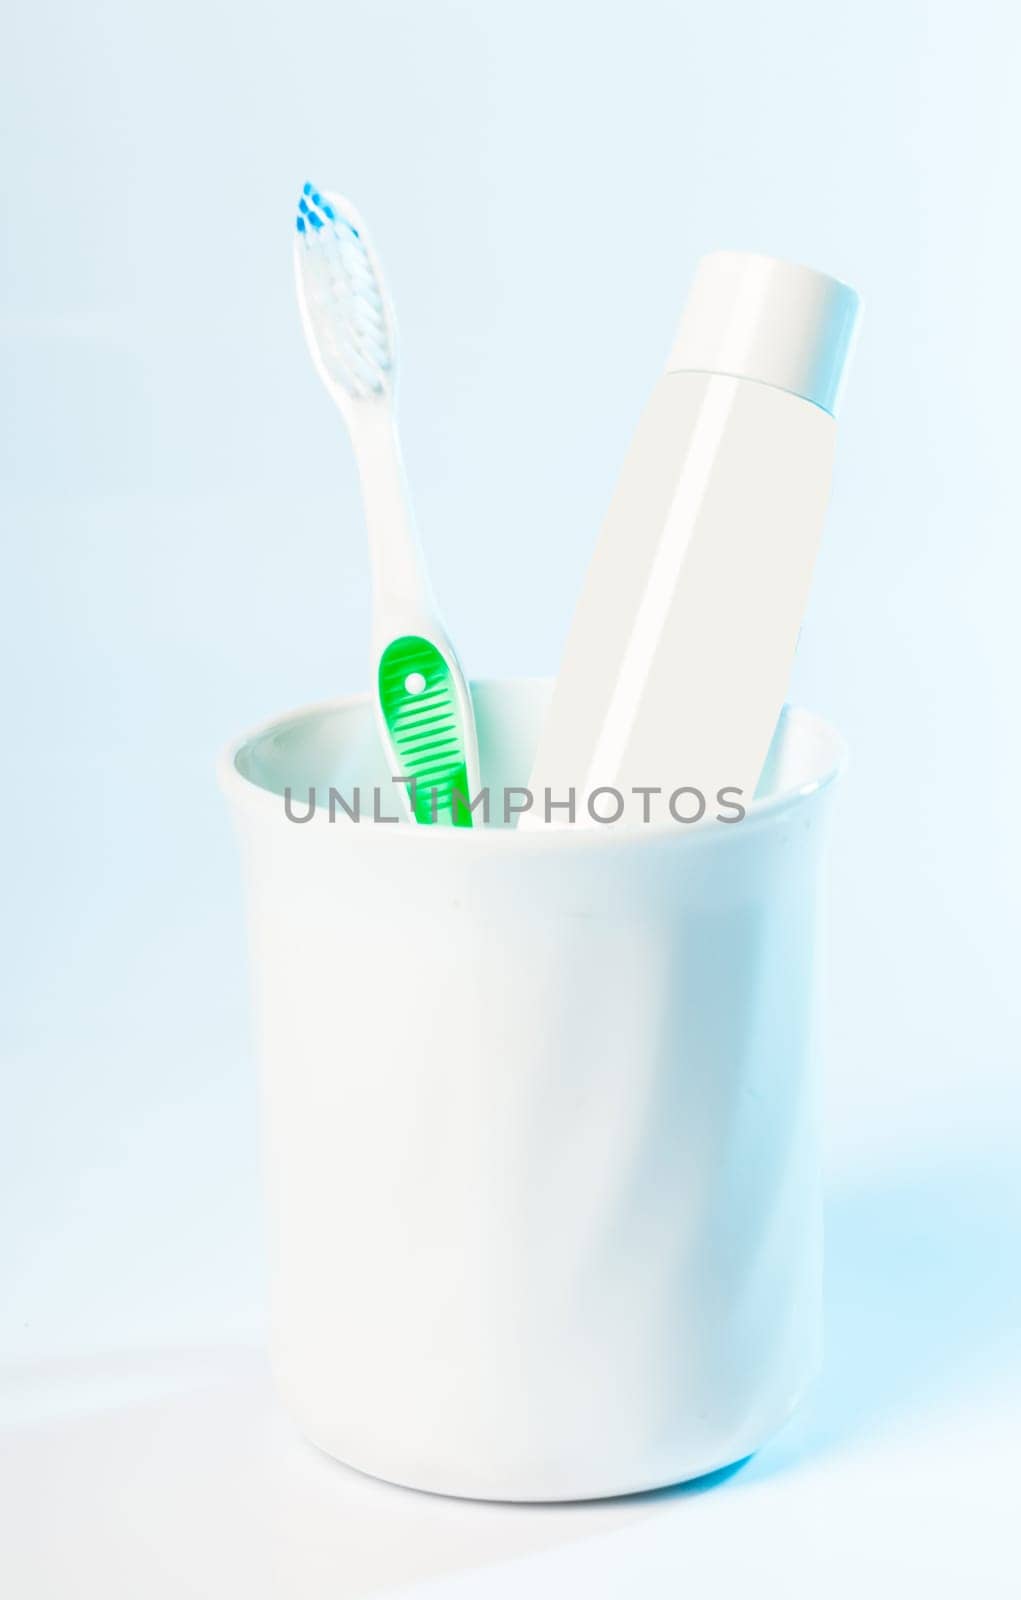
[(678, 658)]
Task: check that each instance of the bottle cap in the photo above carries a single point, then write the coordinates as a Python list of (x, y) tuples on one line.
[(751, 316)]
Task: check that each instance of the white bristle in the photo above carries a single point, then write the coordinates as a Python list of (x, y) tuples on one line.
[(344, 299)]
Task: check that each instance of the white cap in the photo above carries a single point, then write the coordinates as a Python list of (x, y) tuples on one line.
[(754, 317)]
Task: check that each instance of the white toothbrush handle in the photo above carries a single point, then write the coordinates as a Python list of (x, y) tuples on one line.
[(401, 589), (403, 603)]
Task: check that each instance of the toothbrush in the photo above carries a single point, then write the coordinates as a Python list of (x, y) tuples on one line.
[(424, 708)]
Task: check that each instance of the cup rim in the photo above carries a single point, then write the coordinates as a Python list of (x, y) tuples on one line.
[(253, 797)]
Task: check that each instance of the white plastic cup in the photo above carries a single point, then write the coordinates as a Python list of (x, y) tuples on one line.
[(540, 1117)]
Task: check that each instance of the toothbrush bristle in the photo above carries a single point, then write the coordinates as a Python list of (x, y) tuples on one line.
[(343, 297)]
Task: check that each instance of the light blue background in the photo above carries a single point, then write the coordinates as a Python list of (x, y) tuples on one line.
[(185, 555)]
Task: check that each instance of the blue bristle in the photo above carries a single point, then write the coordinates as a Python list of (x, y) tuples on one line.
[(308, 210), (301, 224)]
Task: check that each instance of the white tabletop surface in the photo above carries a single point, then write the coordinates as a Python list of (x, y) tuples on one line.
[(177, 1474)]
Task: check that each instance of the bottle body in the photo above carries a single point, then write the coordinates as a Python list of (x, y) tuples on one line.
[(677, 661)]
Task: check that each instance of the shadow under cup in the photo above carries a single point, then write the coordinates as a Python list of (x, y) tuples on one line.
[(540, 1116)]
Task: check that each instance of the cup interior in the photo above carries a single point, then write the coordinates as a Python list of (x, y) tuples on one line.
[(336, 745)]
